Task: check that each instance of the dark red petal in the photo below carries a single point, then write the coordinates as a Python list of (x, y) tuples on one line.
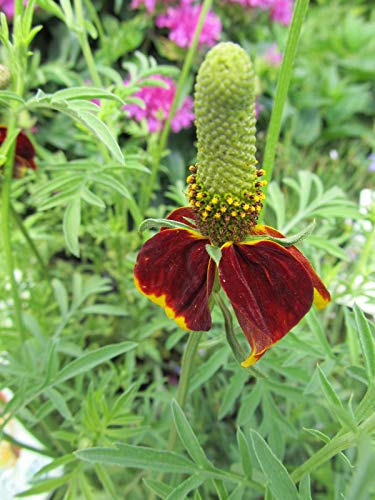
[(321, 295), (179, 215), (24, 148), (174, 270), (269, 289)]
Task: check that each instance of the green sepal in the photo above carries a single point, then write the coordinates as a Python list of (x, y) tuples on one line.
[(287, 241), (214, 253), (166, 223)]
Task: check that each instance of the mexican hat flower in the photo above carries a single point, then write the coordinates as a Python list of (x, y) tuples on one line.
[(268, 281), (24, 157)]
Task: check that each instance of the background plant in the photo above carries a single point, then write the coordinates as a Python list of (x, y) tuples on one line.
[(92, 366)]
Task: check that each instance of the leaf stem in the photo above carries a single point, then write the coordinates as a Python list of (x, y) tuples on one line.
[(145, 200), (26, 235), (300, 10)]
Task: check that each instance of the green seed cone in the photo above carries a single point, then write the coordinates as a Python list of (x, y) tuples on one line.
[(225, 120), (224, 189)]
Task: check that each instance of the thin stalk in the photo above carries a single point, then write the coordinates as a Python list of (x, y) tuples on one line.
[(236, 347), (300, 10), (148, 188), (5, 230), (338, 443), (87, 54), (26, 235), (24, 446), (183, 384)]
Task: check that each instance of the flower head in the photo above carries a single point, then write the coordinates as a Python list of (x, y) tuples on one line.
[(158, 102), (269, 283), (24, 157), (182, 21), (280, 11)]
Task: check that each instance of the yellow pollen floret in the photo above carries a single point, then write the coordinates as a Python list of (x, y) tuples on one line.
[(252, 208), (197, 204), (243, 214), (205, 214), (215, 200), (263, 183), (258, 208), (199, 196), (223, 209), (246, 207), (256, 198), (209, 208), (194, 187), (217, 215), (236, 204), (233, 213), (189, 179), (229, 200)]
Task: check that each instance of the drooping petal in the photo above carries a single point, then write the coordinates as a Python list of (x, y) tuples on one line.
[(322, 296), (174, 270), (270, 291), (182, 214)]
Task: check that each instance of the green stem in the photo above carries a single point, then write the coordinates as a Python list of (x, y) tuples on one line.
[(29, 240), (85, 44), (300, 10), (183, 384), (337, 444), (5, 227), (238, 352), (145, 199)]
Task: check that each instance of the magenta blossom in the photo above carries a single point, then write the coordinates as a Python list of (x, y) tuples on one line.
[(280, 11), (149, 4), (7, 6), (182, 20), (273, 56), (158, 102)]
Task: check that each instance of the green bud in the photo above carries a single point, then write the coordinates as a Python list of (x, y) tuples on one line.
[(224, 187)]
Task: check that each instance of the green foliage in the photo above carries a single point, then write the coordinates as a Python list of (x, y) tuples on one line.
[(91, 364)]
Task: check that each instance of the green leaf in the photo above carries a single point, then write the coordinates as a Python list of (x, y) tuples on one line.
[(105, 309), (72, 224), (166, 223), (188, 438), (214, 253), (84, 93), (244, 450), (305, 488), (157, 487), (90, 360), (58, 462), (46, 486), (287, 241), (7, 95), (334, 402), (61, 296), (112, 182), (279, 481), (92, 198), (59, 403), (184, 488), (367, 342), (139, 457)]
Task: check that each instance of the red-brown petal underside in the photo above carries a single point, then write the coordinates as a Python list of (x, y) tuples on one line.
[(174, 270), (269, 289), (321, 295), (180, 213)]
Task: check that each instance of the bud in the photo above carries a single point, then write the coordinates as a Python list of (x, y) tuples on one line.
[(224, 188), (5, 77)]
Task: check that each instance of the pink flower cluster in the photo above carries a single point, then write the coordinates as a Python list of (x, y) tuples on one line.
[(182, 21), (158, 102), (7, 6), (280, 11)]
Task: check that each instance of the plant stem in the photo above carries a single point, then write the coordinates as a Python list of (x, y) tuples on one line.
[(25, 233), (145, 199), (337, 444), (82, 35), (300, 10), (183, 384)]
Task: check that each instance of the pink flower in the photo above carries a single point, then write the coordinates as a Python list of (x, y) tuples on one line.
[(282, 11), (182, 21), (273, 56), (158, 102), (149, 4), (7, 6)]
